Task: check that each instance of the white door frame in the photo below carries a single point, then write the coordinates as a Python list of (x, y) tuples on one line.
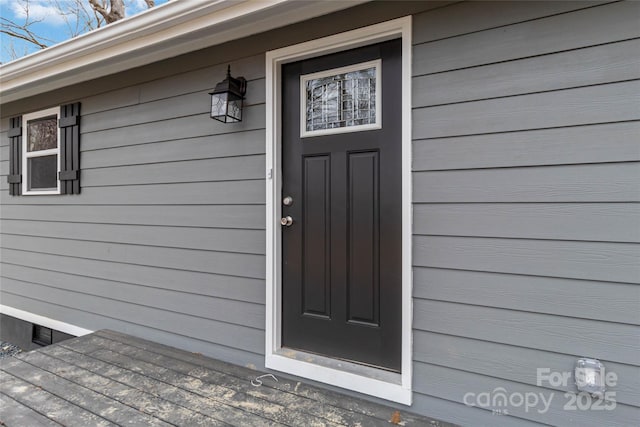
[(365, 380)]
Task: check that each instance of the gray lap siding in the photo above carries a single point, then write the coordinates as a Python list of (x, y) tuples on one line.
[(525, 190), (525, 165)]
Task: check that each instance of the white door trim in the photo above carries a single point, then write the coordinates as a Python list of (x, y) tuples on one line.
[(397, 391)]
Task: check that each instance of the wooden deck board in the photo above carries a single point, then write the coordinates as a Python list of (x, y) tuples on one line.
[(55, 408), (323, 396), (299, 410), (112, 379), (83, 397), (143, 402), (177, 404), (13, 413)]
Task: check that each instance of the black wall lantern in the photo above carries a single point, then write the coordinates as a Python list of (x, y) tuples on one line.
[(226, 99)]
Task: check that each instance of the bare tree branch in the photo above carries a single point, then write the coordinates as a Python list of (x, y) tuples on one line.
[(113, 14), (23, 31), (79, 16), (26, 37), (99, 8)]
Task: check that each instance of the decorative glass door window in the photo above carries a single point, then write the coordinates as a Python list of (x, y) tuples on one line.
[(41, 153), (345, 99)]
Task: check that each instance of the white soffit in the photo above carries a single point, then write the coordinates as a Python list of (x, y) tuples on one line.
[(163, 32)]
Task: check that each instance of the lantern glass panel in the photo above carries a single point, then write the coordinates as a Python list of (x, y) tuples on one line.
[(219, 106), (234, 108)]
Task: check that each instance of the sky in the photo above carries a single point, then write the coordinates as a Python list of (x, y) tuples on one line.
[(51, 24)]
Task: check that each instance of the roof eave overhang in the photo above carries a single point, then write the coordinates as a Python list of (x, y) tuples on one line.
[(166, 31)]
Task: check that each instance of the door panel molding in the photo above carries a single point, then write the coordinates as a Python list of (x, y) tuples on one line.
[(363, 284), (371, 381), (316, 172)]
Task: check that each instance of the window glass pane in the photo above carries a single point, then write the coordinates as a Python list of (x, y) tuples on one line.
[(341, 100), (43, 172), (42, 134)]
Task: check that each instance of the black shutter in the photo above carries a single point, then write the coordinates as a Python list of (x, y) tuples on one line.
[(70, 149), (15, 156)]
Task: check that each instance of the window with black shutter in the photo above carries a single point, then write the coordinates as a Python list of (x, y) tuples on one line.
[(44, 155)]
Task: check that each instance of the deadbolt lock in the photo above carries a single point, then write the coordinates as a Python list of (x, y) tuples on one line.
[(287, 201)]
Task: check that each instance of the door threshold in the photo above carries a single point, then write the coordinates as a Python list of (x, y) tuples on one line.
[(354, 368), (341, 373)]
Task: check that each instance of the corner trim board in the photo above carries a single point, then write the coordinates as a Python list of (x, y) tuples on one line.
[(57, 325), (402, 392)]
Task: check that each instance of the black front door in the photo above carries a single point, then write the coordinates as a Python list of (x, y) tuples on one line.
[(342, 248)]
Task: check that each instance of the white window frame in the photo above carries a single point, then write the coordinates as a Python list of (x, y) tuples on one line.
[(370, 381), (26, 154), (304, 133)]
